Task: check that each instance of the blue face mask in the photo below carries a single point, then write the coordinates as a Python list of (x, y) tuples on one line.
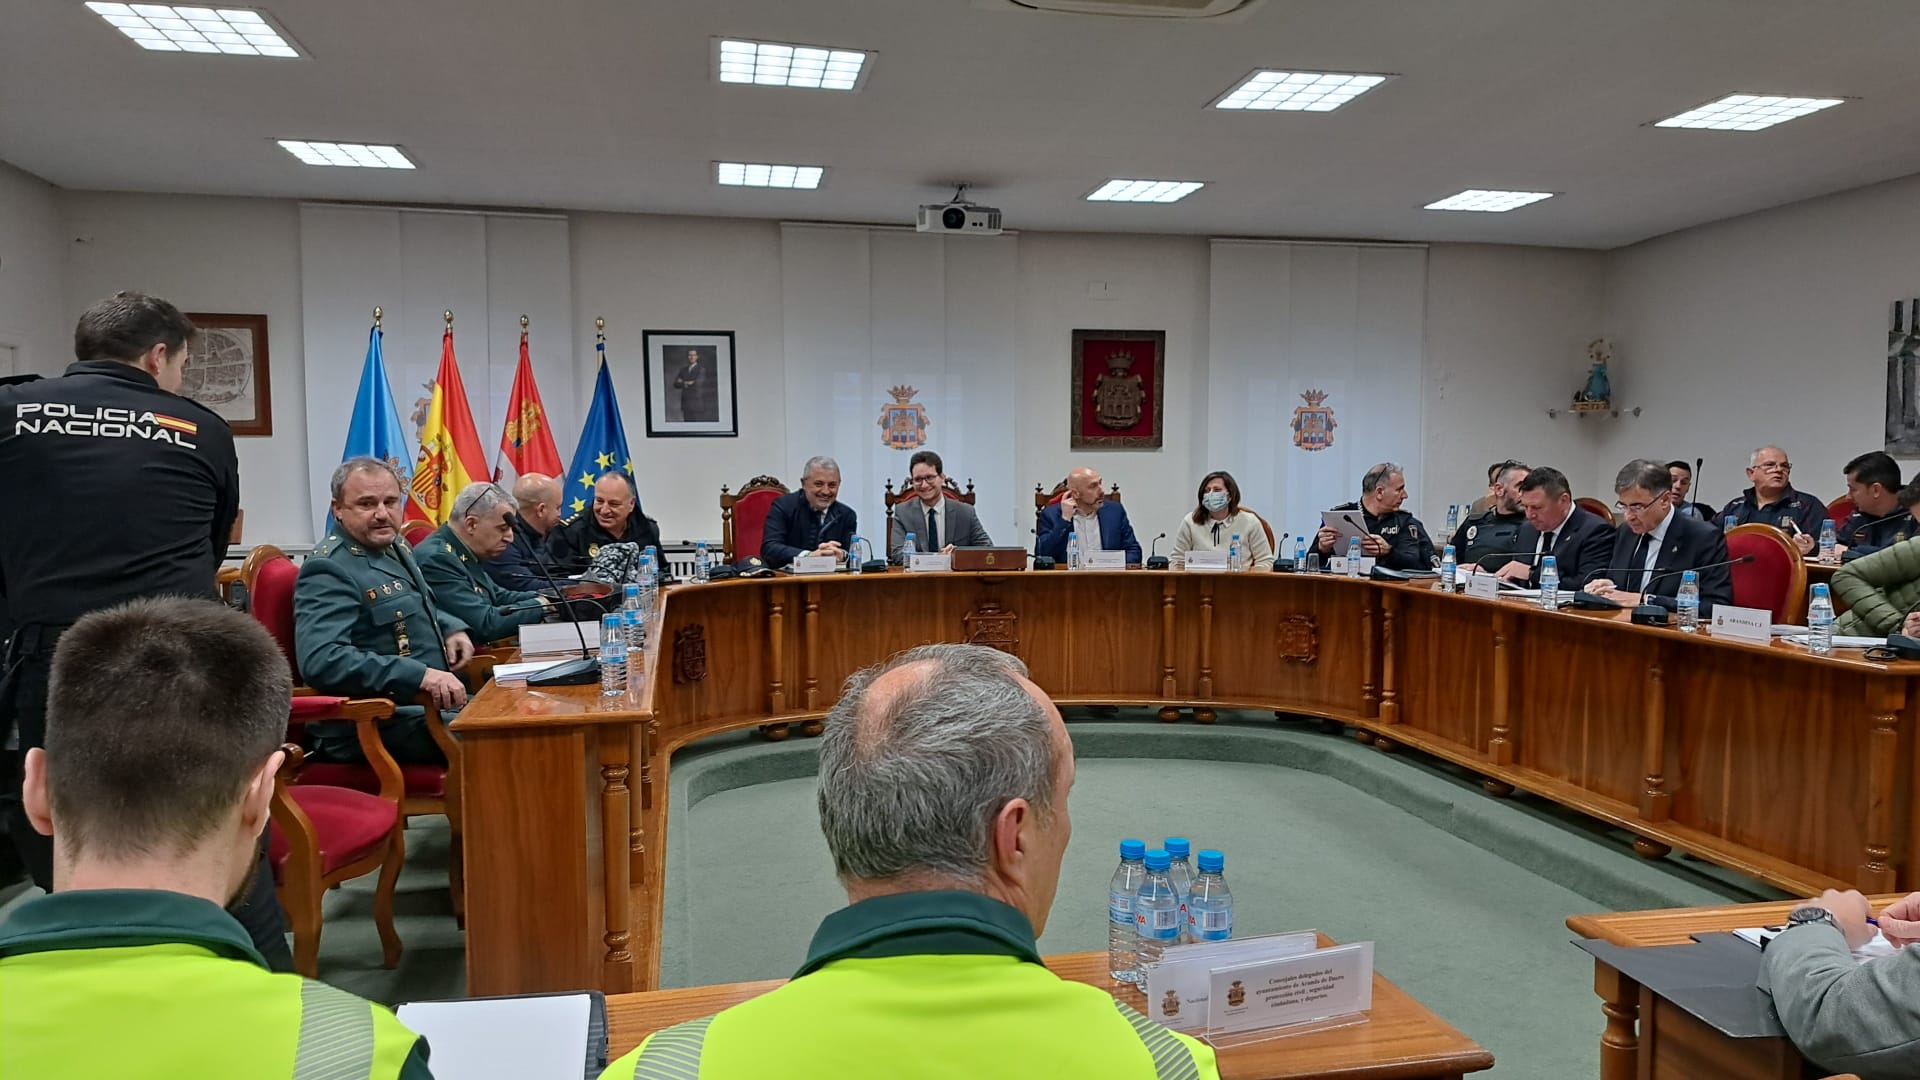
[(1214, 501)]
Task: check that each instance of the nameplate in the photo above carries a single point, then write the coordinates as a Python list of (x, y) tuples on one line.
[(1367, 563), (1484, 586), (558, 639), (1742, 623), (1338, 564), (1206, 562), (1104, 560), (1178, 989), (920, 563), (1295, 990), (815, 564)]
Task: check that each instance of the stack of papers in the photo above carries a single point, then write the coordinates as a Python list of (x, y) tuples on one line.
[(524, 1038), (1876, 946), (1840, 641)]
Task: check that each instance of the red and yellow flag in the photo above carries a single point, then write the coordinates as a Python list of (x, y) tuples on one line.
[(526, 441), (450, 455)]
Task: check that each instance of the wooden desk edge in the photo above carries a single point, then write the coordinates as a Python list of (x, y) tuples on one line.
[(1675, 926)]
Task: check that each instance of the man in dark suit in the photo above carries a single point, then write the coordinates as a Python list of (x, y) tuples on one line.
[(1579, 541), (1083, 511), (1657, 543), (937, 523), (811, 521), (699, 395)]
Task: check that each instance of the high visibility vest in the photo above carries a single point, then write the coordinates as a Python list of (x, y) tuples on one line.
[(928, 1016)]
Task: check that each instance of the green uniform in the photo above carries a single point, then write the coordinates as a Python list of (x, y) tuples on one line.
[(132, 983), (365, 625), (929, 983), (462, 589)]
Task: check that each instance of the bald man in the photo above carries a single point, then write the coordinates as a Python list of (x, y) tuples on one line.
[(1083, 511), (1773, 501), (538, 499), (614, 518)]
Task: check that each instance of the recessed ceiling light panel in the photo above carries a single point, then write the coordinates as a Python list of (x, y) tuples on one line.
[(1748, 112), (1151, 191), (742, 174), (773, 63), (1296, 91), (172, 28), (1489, 202), (347, 155)]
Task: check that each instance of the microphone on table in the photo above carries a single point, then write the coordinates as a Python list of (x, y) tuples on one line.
[(1155, 560), (1645, 614), (582, 672), (1282, 565), (1695, 486), (1901, 645)]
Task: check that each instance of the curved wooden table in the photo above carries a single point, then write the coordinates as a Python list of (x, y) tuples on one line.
[(1793, 768)]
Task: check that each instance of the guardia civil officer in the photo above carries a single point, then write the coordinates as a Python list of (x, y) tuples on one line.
[(1393, 536)]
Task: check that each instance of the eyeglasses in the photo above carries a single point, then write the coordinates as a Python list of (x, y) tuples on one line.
[(1639, 508), (926, 481), (1775, 466)]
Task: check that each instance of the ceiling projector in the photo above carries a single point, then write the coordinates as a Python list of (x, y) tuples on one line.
[(958, 216)]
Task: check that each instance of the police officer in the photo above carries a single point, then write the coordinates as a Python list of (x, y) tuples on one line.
[(452, 560), (114, 431), (1881, 515), (365, 624), (614, 518), (1495, 530), (1772, 501), (1394, 536)]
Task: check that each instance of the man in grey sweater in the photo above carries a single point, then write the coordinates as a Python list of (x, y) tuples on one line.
[(1842, 1013)]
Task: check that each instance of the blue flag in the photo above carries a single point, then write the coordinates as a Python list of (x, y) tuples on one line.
[(375, 429), (603, 443)]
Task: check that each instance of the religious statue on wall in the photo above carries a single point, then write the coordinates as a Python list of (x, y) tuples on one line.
[(1597, 395)]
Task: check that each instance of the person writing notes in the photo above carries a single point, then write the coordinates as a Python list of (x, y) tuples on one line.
[(1844, 1013), (1217, 520)]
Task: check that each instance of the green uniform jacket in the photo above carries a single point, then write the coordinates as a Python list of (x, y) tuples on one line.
[(364, 622), (1878, 590), (897, 983), (137, 983), (462, 589)]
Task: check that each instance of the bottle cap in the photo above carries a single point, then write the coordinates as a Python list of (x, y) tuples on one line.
[(1177, 846), (1158, 861), (1212, 862), (1449, 549), (611, 620), (1820, 590), (1133, 849), (1688, 577), (1549, 561)]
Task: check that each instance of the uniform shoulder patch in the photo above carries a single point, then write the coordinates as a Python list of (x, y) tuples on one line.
[(569, 519), (328, 546)]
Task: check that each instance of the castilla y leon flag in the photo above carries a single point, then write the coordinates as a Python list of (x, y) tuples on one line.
[(526, 442), (450, 455)]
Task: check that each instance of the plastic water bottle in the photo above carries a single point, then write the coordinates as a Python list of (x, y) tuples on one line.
[(1727, 526), (1453, 518), (908, 550), (654, 563), (1353, 556), (1209, 904), (1236, 555), (1688, 602), (1449, 570), (649, 582), (700, 562), (633, 618), (1829, 551), (1120, 892), (1073, 553), (1820, 620), (1156, 915), (1550, 584), (853, 554), (613, 656), (1300, 553), (1180, 874)]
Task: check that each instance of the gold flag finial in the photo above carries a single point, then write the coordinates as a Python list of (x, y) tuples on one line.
[(376, 318), (523, 323), (600, 327), (449, 317)]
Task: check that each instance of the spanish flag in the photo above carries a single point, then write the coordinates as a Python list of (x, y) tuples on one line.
[(450, 454)]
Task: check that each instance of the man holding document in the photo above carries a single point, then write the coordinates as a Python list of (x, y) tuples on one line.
[(1387, 533)]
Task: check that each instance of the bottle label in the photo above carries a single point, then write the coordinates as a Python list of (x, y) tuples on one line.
[(1163, 924), (1120, 907)]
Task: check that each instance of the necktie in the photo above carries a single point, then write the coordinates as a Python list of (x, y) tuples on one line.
[(1546, 544), (1637, 577), (933, 530)]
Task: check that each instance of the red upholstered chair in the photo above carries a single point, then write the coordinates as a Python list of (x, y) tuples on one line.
[(1043, 499), (1265, 526), (1776, 579), (1839, 509), (1597, 508), (743, 517)]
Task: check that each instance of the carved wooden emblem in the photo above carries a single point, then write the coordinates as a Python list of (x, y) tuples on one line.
[(994, 626), (690, 654), (1299, 639)]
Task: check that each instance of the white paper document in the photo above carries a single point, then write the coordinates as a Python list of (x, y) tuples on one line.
[(1840, 641), (1876, 946), (516, 674), (1337, 521), (558, 639), (530, 1038)]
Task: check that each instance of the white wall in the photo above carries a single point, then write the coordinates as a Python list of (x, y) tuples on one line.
[(1769, 328), (33, 326)]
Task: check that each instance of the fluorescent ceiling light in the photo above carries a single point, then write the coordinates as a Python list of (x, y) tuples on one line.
[(1297, 91), (771, 63), (740, 174), (347, 155), (173, 28), (1747, 112), (1489, 202), (1158, 191)]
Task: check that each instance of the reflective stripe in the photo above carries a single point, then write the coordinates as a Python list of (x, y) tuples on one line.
[(336, 1035), (1171, 1058), (673, 1054)]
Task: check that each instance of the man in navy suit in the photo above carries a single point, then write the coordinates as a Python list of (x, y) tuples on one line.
[(1657, 543), (1083, 511), (811, 521), (1579, 541)]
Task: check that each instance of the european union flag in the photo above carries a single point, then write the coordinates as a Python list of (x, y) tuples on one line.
[(375, 429), (603, 442)]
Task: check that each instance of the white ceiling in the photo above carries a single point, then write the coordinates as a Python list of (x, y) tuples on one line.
[(612, 105)]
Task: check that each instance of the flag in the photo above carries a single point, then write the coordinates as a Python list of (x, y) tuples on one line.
[(375, 429), (450, 455), (603, 442), (526, 442)]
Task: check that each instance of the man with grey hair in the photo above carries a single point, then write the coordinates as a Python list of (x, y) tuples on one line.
[(1656, 544), (811, 521), (944, 777), (453, 561), (538, 498), (1390, 535), (614, 518), (365, 623), (1772, 501)]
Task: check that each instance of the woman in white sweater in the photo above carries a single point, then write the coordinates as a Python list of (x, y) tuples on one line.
[(1214, 523)]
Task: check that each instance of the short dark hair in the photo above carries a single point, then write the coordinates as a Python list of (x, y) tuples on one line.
[(1681, 465), (1548, 479), (158, 712), (1494, 470), (125, 325), (925, 457), (1643, 473), (1875, 467), (1233, 495), (1909, 495)]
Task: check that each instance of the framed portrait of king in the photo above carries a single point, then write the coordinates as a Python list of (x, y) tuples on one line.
[(690, 384), (1117, 381)]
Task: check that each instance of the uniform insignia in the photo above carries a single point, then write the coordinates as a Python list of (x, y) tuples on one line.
[(386, 588), (400, 634), (592, 550), (1413, 531), (463, 558), (1390, 531), (372, 595), (1472, 531), (448, 546)]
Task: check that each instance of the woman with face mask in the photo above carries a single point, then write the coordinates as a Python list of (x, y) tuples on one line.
[(1216, 520)]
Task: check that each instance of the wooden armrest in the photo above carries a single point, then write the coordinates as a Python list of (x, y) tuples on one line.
[(366, 714), (303, 842)]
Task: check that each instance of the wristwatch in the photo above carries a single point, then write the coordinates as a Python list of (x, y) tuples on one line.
[(1808, 914)]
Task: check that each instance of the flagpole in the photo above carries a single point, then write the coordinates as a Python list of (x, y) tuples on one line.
[(449, 318), (376, 318)]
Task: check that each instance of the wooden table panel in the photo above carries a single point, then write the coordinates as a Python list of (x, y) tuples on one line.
[(1446, 676), (1291, 644), (1584, 704)]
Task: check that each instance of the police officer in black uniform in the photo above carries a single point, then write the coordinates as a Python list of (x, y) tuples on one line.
[(1394, 536), (147, 485), (1495, 530), (1882, 515), (1772, 500), (614, 518)]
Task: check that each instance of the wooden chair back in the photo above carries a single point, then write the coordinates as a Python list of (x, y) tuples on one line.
[(1267, 527), (1597, 508), (743, 516), (1043, 498), (1776, 579)]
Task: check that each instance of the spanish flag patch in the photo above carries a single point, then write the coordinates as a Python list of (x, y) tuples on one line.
[(177, 424)]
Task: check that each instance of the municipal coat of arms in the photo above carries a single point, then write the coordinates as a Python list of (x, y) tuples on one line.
[(1313, 422), (1118, 393), (903, 424)]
